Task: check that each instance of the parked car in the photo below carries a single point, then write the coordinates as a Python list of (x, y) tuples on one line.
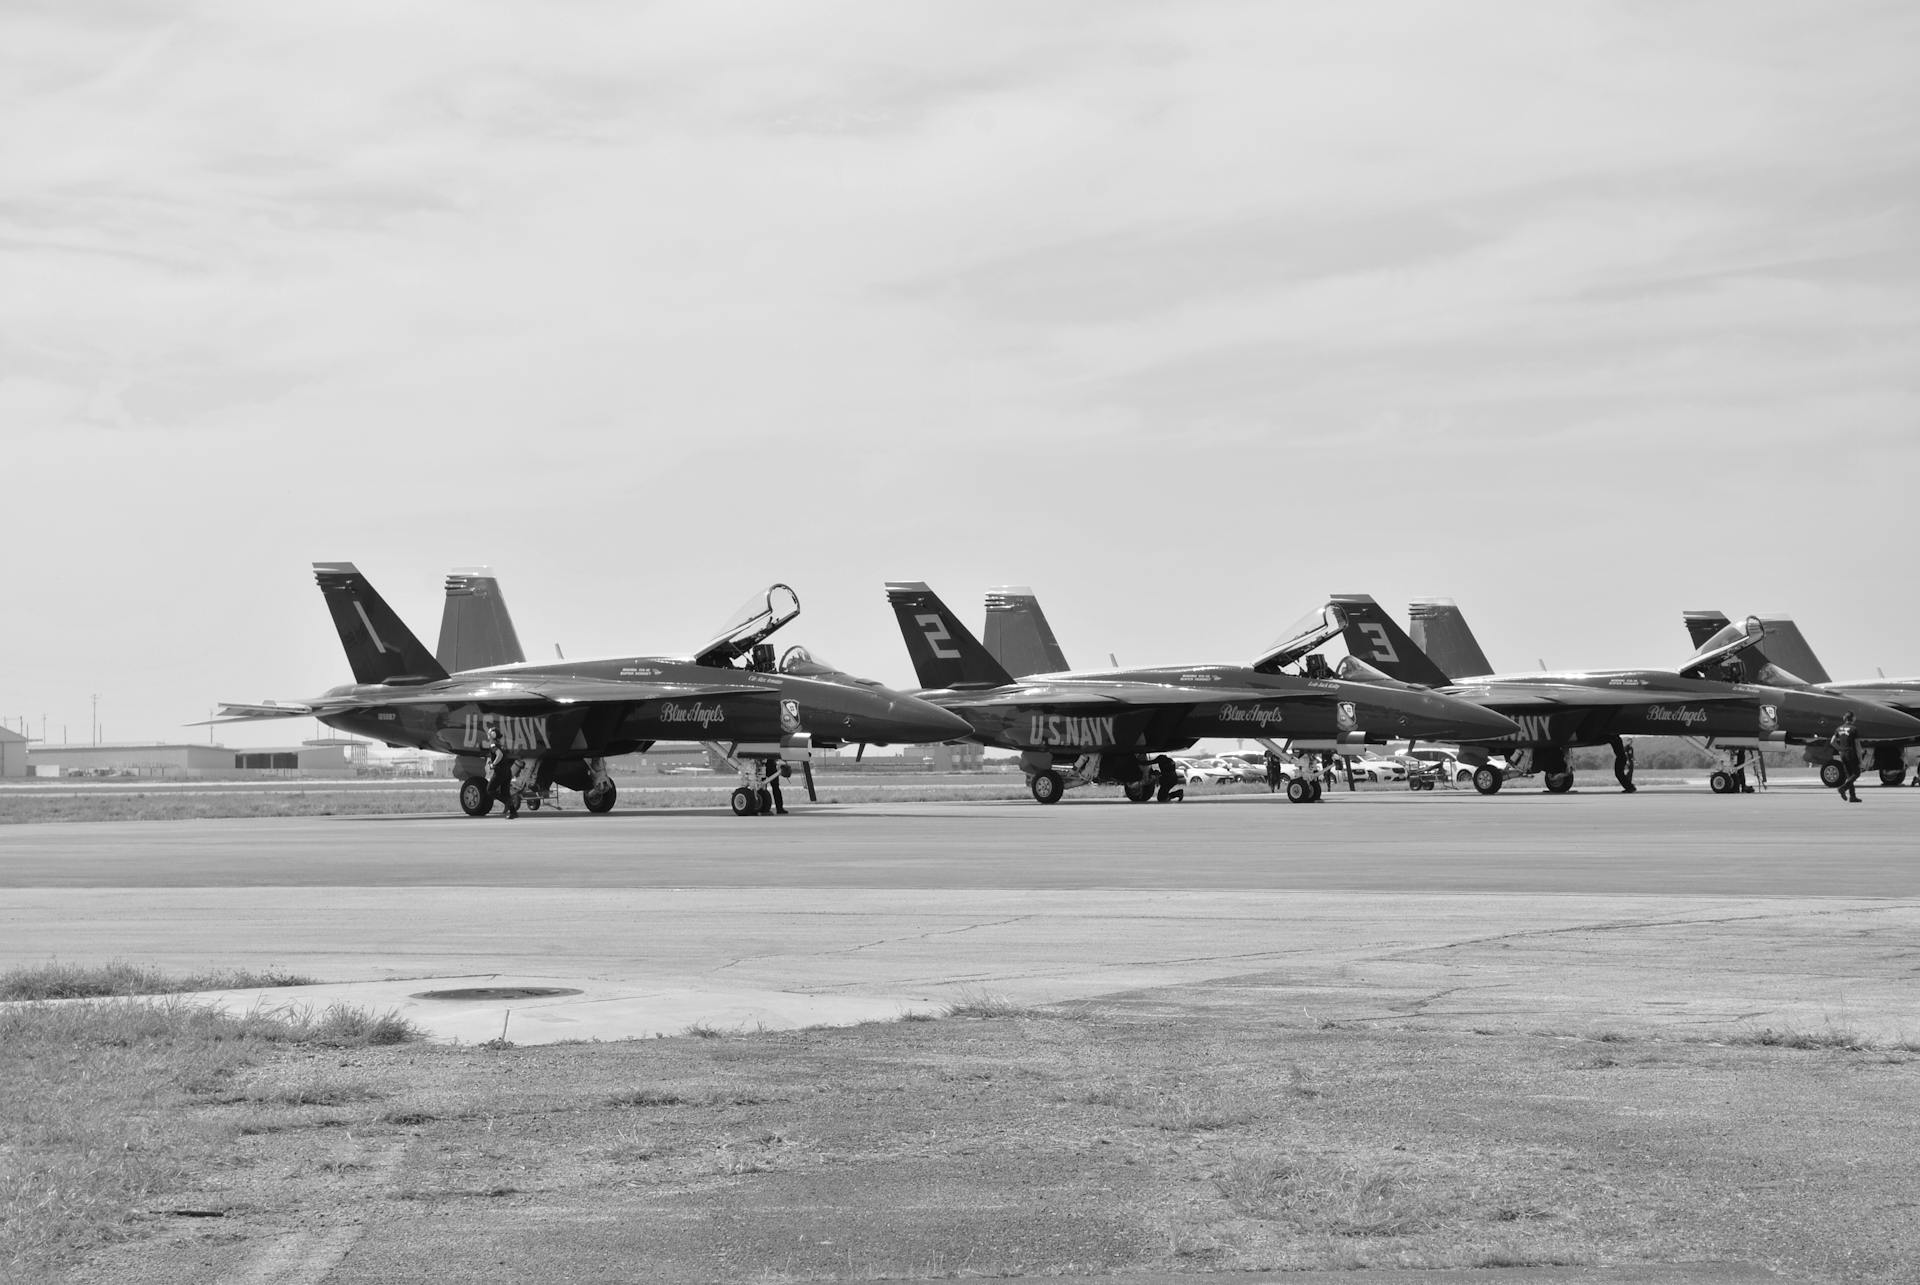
[(1376, 769), (1244, 766), (1203, 772)]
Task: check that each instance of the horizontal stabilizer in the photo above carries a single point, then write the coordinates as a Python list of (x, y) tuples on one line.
[(233, 712)]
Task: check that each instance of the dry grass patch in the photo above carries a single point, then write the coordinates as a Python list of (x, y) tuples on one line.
[(92, 1126), (55, 980)]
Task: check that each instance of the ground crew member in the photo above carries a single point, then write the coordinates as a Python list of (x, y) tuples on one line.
[(1623, 763), (1276, 778), (500, 772), (1846, 752), (773, 784), (1170, 789)]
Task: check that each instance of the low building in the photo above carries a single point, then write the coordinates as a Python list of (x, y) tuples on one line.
[(13, 754), (151, 760)]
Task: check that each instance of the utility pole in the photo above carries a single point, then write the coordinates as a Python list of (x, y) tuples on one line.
[(96, 718)]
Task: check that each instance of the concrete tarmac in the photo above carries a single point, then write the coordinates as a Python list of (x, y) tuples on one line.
[(1668, 909)]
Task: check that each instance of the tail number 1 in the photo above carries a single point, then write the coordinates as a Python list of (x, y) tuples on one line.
[(936, 635), (1382, 648)]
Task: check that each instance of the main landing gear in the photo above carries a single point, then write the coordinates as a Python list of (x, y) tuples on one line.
[(1048, 786), (1488, 779), (475, 799), (762, 767), (1302, 789), (1730, 773), (537, 784)]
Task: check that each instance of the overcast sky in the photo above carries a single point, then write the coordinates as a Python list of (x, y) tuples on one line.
[(1184, 314)]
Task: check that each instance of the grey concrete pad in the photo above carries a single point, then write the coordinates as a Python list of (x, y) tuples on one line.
[(1686, 912)]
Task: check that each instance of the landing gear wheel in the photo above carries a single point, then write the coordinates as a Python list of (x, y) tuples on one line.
[(475, 801), (1488, 779), (1140, 791), (603, 801), (1559, 782), (1298, 791), (533, 803), (1831, 774), (1314, 790), (1893, 775), (1722, 782), (1047, 786), (744, 804)]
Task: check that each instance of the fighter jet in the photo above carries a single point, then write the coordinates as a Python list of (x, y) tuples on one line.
[(1787, 660), (564, 718), (1557, 711), (1082, 728)]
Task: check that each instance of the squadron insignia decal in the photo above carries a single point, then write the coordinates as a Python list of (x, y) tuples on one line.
[(1345, 717)]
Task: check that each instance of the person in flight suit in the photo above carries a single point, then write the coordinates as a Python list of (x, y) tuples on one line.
[(1623, 763), (500, 772), (1846, 752)]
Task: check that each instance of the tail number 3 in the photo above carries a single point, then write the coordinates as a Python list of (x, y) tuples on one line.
[(1382, 648)]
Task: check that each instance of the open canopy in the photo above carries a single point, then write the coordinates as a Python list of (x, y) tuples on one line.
[(754, 621), (1304, 635), (1711, 660)]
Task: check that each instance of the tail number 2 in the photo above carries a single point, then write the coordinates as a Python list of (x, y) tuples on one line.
[(936, 635)]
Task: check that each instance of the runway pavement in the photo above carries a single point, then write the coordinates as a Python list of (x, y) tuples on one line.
[(1520, 911)]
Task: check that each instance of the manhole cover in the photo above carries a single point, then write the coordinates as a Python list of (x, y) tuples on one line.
[(499, 992)]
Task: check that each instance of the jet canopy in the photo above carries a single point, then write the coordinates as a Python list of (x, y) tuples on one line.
[(753, 622), (1318, 626), (1719, 654), (798, 662)]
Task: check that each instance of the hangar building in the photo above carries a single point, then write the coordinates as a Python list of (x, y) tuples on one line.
[(13, 754), (190, 761)]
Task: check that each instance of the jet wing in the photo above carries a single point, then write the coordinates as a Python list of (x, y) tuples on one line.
[(1104, 694), (1530, 696), (561, 691)]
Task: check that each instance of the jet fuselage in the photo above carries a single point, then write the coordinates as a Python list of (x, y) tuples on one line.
[(539, 727), (1053, 712), (1551, 711)]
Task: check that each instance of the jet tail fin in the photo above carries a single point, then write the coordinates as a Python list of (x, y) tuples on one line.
[(1439, 629), (1018, 635), (1787, 647), (1372, 636), (944, 652), (379, 647), (475, 629), (1702, 625)]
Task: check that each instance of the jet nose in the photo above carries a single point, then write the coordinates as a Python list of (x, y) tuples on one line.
[(1879, 723), (1448, 718), (1486, 724), (907, 720)]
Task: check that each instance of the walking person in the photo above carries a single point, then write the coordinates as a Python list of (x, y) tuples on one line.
[(1846, 752), (500, 772)]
